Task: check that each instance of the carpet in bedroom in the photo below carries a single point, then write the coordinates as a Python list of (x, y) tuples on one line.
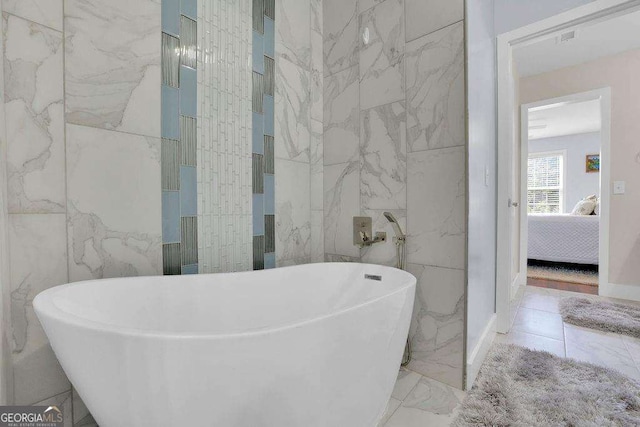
[(561, 273)]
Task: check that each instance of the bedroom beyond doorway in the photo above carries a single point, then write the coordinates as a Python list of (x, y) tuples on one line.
[(563, 143), (562, 193)]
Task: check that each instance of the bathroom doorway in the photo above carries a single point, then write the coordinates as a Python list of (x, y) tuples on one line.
[(560, 30)]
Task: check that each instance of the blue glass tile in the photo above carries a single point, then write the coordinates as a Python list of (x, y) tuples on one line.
[(268, 115), (188, 8), (258, 214), (170, 113), (171, 17), (269, 38), (188, 92), (190, 269), (188, 191), (269, 195), (258, 133), (270, 260), (170, 217), (258, 54)]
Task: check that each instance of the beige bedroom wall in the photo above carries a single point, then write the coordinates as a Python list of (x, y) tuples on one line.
[(620, 72)]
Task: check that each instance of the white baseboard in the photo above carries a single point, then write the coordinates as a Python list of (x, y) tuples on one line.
[(477, 356), (628, 292)]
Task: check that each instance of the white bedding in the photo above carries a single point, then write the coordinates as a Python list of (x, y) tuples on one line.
[(564, 238)]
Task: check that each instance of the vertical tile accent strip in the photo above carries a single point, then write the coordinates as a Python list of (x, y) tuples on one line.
[(258, 174), (258, 252), (258, 20), (263, 142), (179, 138), (269, 76), (170, 155), (270, 8), (269, 155), (188, 131), (225, 232), (189, 233), (171, 259), (188, 37), (170, 60), (269, 233), (258, 92)]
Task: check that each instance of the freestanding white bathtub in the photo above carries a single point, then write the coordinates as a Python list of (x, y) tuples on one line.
[(313, 345)]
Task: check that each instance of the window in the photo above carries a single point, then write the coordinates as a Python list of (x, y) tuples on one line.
[(545, 189)]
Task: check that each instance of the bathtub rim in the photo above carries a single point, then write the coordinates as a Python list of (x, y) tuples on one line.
[(43, 303)]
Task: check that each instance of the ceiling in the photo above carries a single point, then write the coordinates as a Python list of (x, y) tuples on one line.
[(601, 39), (564, 119)]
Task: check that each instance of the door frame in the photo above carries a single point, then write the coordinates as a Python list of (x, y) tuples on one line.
[(604, 96), (590, 13)]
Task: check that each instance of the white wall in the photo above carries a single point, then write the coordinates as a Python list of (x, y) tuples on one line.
[(579, 183), (512, 14), (482, 154)]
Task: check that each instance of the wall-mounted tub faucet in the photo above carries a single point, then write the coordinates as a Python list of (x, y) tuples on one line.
[(400, 240)]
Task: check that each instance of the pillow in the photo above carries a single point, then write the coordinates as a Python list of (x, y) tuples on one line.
[(585, 206), (596, 211)]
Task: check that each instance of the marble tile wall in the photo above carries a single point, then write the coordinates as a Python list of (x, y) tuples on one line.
[(299, 132), (6, 373), (394, 133), (81, 91)]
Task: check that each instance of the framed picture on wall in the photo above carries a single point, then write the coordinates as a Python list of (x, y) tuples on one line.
[(593, 163)]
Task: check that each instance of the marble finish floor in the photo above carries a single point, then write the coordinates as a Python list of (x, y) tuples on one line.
[(537, 324), (419, 401)]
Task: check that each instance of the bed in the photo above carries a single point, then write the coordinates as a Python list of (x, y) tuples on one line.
[(564, 238)]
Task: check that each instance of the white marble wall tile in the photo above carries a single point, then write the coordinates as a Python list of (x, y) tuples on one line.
[(341, 117), (341, 204), (317, 74), (383, 253), (317, 166), (45, 12), (435, 90), (293, 31), (317, 236), (293, 212), (5, 279), (340, 258), (114, 204), (364, 5), (436, 206), (381, 60), (35, 116), (437, 329), (64, 402), (383, 157), (112, 64), (292, 111), (426, 16), (38, 261), (340, 35)]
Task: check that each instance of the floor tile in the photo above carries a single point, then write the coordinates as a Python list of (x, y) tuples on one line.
[(391, 409), (538, 322), (533, 342), (407, 380), (542, 302), (600, 348)]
